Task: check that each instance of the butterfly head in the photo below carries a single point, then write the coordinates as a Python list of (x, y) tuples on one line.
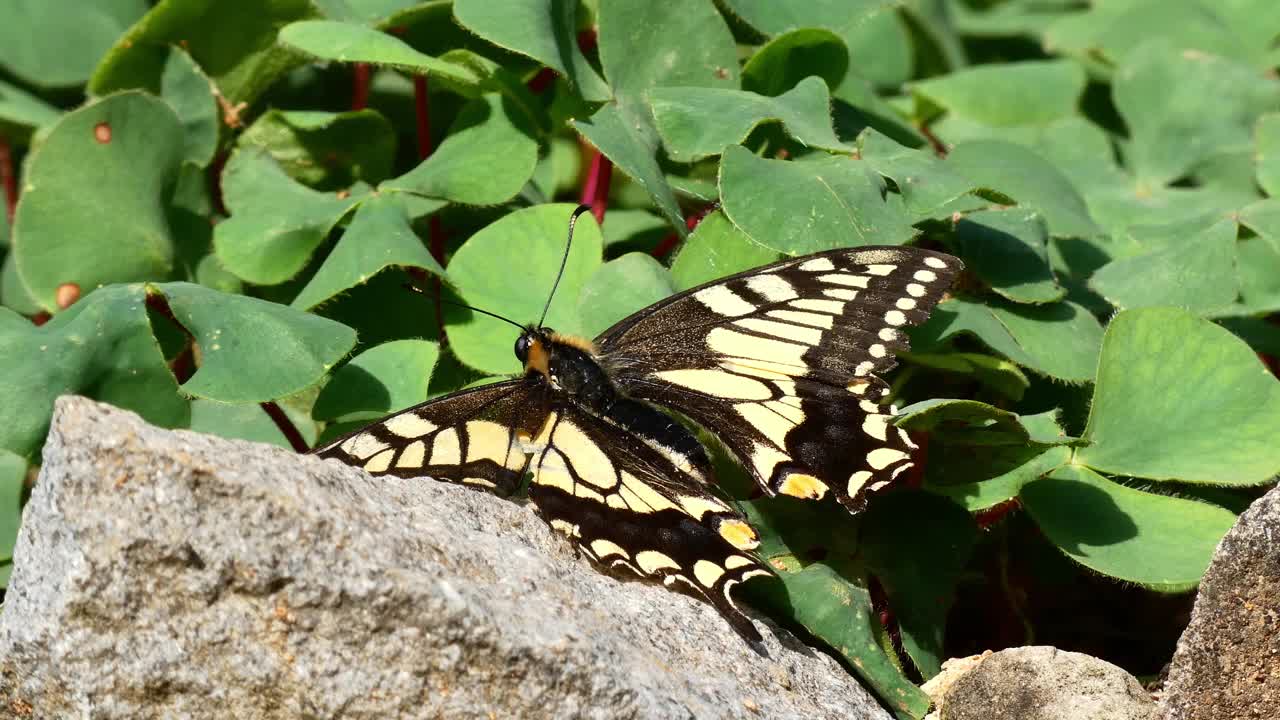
[(533, 348)]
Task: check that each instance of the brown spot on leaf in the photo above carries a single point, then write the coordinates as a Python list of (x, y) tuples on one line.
[(66, 295), (102, 132)]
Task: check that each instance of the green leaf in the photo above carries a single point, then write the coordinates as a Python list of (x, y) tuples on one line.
[(1009, 250), (1160, 91), (969, 422), (92, 210), (384, 379), (486, 159), (1060, 340), (925, 182), (1267, 135), (664, 43), (632, 230), (1179, 398), (275, 222), (189, 92), (101, 346), (247, 421), (834, 605), (1030, 92), (786, 60), (252, 350), (998, 374), (619, 288), (487, 276), (22, 113), (13, 476), (233, 41), (544, 30), (646, 44), (368, 12), (378, 237), (1111, 31), (350, 43), (798, 208), (56, 44), (13, 292), (325, 150), (980, 477), (697, 123), (631, 143), (919, 568), (1156, 541), (716, 249), (1196, 272), (879, 46), (1027, 177)]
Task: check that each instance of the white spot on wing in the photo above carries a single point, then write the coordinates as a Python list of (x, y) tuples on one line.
[(925, 275), (881, 458), (786, 331), (934, 262), (881, 269), (895, 317), (858, 281), (773, 288), (723, 301), (717, 383), (817, 265), (408, 425)]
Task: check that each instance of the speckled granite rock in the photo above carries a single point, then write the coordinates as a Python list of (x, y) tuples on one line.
[(171, 574), (1037, 683), (1227, 665)]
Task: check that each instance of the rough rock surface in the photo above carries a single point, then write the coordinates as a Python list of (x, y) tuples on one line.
[(171, 574), (1227, 665), (1037, 683)]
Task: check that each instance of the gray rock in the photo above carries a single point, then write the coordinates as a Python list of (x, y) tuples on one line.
[(172, 574), (1227, 665), (1038, 683)]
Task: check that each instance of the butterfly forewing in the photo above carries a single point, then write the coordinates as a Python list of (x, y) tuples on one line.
[(627, 506), (781, 363), (475, 437)]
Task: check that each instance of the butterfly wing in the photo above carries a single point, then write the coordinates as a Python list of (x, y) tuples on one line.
[(781, 363), (473, 437), (627, 505)]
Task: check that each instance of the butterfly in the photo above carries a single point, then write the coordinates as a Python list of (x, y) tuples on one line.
[(780, 363)]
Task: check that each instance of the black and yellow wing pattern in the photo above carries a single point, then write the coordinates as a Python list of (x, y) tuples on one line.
[(780, 363)]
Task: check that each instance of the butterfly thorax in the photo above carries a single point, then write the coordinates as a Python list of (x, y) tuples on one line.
[(569, 365)]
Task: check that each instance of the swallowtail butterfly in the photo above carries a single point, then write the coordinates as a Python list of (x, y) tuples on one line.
[(780, 363)]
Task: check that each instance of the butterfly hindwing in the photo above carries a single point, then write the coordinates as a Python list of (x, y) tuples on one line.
[(473, 437), (626, 505), (781, 363)]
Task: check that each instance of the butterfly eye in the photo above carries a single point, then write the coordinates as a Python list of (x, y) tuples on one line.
[(522, 348)]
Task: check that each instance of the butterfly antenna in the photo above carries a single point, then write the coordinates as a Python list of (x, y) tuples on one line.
[(472, 308), (573, 220)]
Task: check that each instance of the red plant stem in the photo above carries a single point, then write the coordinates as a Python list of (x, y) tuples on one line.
[(915, 476), (182, 371), (435, 231), (665, 246), (541, 81), (595, 191), (360, 87), (939, 147), (8, 179), (290, 432)]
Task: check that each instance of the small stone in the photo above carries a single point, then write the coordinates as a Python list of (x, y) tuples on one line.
[(1227, 665), (1037, 683), (171, 574)]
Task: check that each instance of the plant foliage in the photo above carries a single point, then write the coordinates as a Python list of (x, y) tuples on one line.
[(212, 208)]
